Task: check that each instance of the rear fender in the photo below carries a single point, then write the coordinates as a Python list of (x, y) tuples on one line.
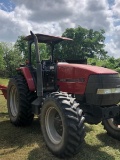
[(4, 91), (28, 76)]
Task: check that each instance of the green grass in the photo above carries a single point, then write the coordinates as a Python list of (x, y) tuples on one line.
[(17, 143), (3, 81)]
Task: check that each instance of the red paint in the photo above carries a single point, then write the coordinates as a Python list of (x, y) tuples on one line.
[(77, 71), (4, 90), (28, 77)]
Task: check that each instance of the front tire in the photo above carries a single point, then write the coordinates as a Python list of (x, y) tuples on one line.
[(19, 100), (62, 125), (112, 126)]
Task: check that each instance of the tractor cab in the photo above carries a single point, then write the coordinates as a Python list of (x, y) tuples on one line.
[(48, 66), (47, 39)]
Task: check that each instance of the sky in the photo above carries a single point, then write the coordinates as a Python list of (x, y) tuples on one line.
[(18, 17)]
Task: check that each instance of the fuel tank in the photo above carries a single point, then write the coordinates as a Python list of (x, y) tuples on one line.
[(87, 80)]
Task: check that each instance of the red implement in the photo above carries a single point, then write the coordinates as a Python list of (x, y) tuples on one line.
[(4, 90)]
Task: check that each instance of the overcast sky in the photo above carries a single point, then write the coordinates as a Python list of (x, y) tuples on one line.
[(18, 17)]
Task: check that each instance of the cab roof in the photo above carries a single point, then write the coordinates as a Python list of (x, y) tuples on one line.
[(42, 38)]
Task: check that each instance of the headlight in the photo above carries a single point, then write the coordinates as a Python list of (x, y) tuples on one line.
[(108, 91)]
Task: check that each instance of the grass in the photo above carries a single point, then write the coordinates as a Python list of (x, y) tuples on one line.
[(17, 143), (3, 81)]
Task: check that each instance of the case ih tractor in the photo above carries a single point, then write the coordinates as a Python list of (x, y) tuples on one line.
[(65, 95)]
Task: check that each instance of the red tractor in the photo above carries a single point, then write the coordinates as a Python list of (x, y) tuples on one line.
[(65, 95)]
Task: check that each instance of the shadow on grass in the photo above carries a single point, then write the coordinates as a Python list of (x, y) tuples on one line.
[(109, 141), (18, 137), (87, 152), (88, 128), (4, 115)]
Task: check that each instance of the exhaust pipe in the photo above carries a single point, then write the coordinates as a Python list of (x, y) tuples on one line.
[(39, 68)]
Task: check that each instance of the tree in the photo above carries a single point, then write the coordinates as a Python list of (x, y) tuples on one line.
[(11, 59), (109, 62), (86, 43), (22, 46), (1, 58)]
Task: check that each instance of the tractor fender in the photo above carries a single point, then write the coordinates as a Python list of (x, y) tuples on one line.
[(4, 90), (28, 76)]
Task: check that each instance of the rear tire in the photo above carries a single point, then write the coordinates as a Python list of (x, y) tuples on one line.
[(112, 126), (19, 100), (62, 125)]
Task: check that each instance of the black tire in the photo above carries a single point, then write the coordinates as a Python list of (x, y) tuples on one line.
[(19, 100), (112, 126), (62, 125)]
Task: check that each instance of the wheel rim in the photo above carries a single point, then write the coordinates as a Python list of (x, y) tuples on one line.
[(53, 124), (14, 101), (113, 124)]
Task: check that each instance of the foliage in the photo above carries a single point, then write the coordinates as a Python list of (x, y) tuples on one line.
[(86, 43), (11, 59), (22, 46), (2, 66), (109, 62)]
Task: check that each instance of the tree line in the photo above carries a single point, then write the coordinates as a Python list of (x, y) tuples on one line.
[(87, 44)]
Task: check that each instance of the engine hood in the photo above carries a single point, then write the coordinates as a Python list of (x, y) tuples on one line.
[(73, 78), (88, 68)]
